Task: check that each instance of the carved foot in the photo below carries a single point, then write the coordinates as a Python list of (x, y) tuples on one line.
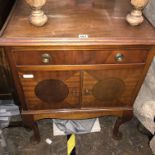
[(34, 140), (117, 135), (30, 122), (135, 17)]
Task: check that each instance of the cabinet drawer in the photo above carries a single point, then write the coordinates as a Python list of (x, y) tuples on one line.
[(80, 57)]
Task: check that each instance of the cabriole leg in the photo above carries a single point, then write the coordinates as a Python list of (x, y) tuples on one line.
[(29, 121), (121, 120)]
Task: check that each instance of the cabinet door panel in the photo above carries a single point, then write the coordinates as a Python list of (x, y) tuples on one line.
[(109, 88), (51, 90)]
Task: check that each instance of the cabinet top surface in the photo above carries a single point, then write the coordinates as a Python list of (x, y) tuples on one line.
[(103, 21)]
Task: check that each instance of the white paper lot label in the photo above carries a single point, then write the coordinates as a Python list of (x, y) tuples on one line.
[(28, 76), (83, 36)]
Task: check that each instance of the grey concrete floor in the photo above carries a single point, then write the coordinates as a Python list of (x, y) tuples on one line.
[(101, 143)]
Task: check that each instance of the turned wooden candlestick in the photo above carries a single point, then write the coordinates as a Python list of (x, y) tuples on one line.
[(37, 17), (136, 17)]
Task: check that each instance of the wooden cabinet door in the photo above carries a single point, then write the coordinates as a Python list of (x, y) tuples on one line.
[(51, 89), (109, 87)]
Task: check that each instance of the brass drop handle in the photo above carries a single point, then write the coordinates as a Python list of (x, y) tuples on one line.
[(119, 57), (46, 58)]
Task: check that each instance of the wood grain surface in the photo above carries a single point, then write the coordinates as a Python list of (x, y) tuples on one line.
[(103, 21)]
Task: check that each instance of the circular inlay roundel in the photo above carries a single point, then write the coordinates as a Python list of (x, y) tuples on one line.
[(51, 90), (108, 89)]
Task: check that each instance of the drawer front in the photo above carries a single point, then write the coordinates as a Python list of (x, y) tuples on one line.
[(80, 57)]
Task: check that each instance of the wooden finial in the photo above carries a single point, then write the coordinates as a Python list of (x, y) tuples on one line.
[(135, 17), (37, 17)]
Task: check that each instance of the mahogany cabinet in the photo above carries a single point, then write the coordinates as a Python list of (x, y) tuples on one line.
[(78, 83), (57, 74)]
